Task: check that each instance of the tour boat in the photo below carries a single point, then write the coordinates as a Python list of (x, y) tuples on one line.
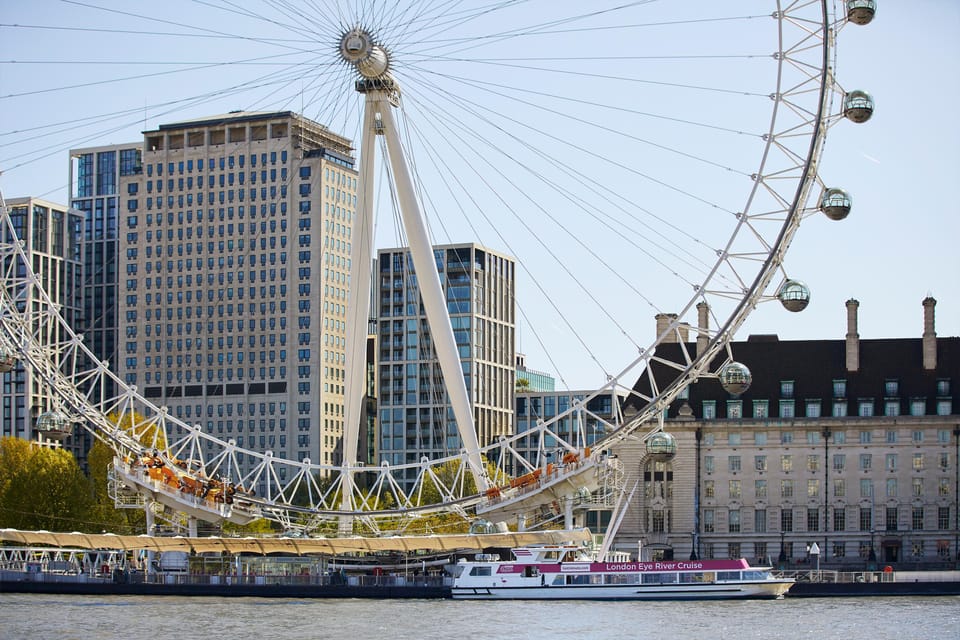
[(563, 572)]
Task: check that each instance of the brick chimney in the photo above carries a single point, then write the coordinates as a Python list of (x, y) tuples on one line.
[(663, 324), (929, 334), (853, 338), (703, 327)]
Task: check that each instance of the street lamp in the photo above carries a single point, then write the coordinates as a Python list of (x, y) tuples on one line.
[(782, 560)]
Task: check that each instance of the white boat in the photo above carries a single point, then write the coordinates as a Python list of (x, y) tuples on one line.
[(563, 572)]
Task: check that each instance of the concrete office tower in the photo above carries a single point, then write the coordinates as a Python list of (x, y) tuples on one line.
[(415, 418), (51, 233), (235, 248)]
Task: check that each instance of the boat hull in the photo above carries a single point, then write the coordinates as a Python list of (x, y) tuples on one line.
[(767, 590)]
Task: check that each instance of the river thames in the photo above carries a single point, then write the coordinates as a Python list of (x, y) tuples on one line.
[(179, 618)]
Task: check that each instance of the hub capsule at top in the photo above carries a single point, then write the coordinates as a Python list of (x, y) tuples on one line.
[(861, 11), (359, 49)]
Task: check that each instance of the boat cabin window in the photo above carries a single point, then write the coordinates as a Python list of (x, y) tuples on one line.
[(698, 576), (756, 575), (728, 575), (480, 571), (660, 578), (621, 578), (531, 572)]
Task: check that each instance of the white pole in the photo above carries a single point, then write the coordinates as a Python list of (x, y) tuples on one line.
[(434, 303), (358, 305)]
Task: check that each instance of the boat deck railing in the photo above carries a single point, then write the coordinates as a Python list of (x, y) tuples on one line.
[(848, 577)]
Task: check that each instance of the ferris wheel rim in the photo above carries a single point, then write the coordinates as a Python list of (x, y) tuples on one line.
[(719, 341)]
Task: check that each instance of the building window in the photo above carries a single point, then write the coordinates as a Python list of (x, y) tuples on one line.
[(865, 407), (708, 464), (839, 488), (943, 518), (813, 408), (891, 388), (760, 438), (786, 488), (892, 487), (866, 488), (760, 488), (943, 387), (734, 490), (733, 464), (786, 437), (813, 437), (760, 521), (891, 407), (708, 521), (761, 409), (708, 489), (734, 409), (943, 549), (733, 550), (917, 487), (891, 462), (943, 487), (944, 407), (709, 409), (866, 461), (733, 438), (943, 461), (917, 437), (733, 521), (813, 463), (786, 463), (891, 436), (786, 409), (760, 463), (786, 520), (865, 437), (839, 409), (891, 518), (839, 460), (813, 488), (839, 549), (918, 462), (813, 519), (839, 388), (839, 520), (866, 519), (918, 406)]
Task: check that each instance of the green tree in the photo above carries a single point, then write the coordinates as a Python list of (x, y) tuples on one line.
[(103, 510), (43, 488)]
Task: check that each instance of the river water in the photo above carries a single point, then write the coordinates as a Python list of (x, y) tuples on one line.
[(180, 618)]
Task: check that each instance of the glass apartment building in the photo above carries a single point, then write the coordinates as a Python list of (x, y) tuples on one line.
[(51, 233), (415, 418)]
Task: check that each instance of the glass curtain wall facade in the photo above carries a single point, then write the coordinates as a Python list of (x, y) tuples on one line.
[(415, 418)]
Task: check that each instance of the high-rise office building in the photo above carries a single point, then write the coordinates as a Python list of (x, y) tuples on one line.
[(415, 418), (51, 233), (234, 254)]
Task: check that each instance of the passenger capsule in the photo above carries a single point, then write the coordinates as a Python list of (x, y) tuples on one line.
[(794, 295), (482, 526), (861, 11), (8, 359), (836, 204), (661, 447), (857, 106), (735, 378), (54, 425)]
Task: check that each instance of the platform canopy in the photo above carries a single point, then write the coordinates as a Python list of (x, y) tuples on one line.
[(296, 546)]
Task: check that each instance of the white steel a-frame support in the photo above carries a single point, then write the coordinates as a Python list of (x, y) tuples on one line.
[(378, 119)]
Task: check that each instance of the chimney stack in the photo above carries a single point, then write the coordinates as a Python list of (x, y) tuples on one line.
[(929, 334), (853, 338), (663, 324), (703, 327)]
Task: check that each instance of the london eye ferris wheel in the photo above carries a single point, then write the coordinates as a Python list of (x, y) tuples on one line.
[(635, 159)]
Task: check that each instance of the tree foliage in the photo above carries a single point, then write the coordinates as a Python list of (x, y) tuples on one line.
[(43, 488)]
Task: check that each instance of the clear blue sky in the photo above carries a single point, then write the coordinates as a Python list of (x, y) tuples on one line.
[(898, 246)]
